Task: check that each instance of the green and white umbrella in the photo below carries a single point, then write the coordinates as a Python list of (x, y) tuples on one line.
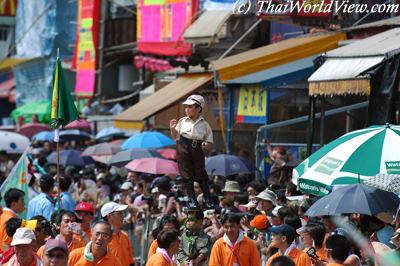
[(352, 158)]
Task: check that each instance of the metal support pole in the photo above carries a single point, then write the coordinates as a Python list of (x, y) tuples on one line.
[(311, 120), (259, 147), (267, 112), (231, 118), (103, 14), (322, 123)]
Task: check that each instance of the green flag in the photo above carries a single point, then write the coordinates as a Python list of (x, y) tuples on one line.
[(17, 179), (63, 109)]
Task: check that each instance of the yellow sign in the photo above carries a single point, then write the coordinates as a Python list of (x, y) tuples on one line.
[(252, 106)]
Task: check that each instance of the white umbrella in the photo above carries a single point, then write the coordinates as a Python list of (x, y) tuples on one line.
[(13, 142)]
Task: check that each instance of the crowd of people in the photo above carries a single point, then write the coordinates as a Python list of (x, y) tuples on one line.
[(251, 224), (193, 220)]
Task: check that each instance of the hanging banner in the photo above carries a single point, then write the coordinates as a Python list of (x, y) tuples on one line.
[(86, 43), (160, 26), (252, 106)]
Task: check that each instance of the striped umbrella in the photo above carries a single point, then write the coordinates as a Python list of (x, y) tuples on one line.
[(352, 158)]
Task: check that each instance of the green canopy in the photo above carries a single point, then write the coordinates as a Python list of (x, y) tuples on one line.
[(42, 109)]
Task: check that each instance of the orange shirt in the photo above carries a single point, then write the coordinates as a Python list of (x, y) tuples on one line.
[(75, 244), (157, 260), (153, 248), (334, 264), (5, 240), (320, 253), (245, 252), (76, 258), (299, 257), (34, 262), (120, 247)]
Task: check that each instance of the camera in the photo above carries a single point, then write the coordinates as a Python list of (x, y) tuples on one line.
[(177, 194), (311, 252)]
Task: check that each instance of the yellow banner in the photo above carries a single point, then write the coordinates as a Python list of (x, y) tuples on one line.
[(252, 106)]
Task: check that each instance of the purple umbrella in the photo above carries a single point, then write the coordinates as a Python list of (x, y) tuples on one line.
[(67, 157), (101, 149), (225, 165)]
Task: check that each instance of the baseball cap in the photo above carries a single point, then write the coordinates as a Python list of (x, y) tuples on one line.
[(195, 99), (111, 207), (84, 207), (285, 230), (126, 186), (275, 210), (260, 222), (23, 236), (267, 195), (53, 244)]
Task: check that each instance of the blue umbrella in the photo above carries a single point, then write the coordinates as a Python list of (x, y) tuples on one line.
[(355, 198), (148, 139), (109, 133), (67, 157), (225, 165), (74, 134), (44, 136)]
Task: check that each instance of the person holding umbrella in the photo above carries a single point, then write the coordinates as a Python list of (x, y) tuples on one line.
[(193, 134)]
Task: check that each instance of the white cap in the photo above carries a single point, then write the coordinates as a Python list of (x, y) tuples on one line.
[(23, 236), (111, 207), (275, 210), (268, 195), (126, 186), (195, 99)]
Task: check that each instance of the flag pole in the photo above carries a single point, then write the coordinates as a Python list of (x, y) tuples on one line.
[(57, 139), (63, 111)]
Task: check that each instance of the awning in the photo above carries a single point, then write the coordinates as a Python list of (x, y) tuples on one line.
[(161, 99), (390, 22), (10, 62), (202, 31), (5, 88), (280, 75), (276, 54), (345, 68)]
